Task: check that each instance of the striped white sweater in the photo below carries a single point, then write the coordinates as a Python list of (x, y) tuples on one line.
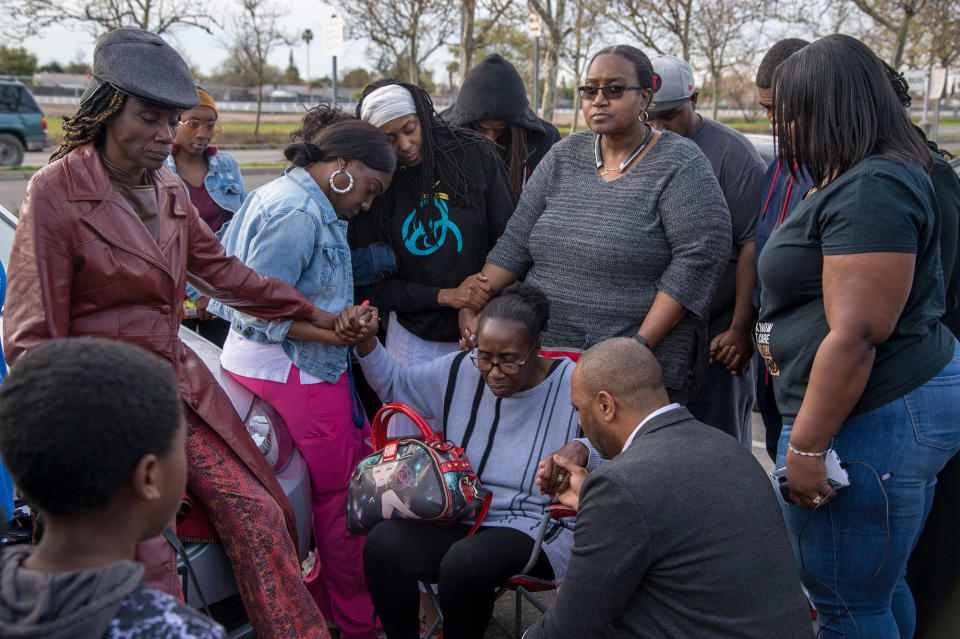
[(505, 438)]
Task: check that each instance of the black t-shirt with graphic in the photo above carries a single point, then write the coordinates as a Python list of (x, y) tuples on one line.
[(877, 206), (456, 245)]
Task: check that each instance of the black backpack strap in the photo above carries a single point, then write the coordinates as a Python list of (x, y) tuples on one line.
[(174, 541), (451, 386)]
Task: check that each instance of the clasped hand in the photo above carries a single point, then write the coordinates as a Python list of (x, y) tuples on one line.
[(356, 324), (562, 473)]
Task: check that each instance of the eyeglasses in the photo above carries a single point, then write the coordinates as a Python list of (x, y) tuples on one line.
[(610, 92), (507, 368), (210, 128)]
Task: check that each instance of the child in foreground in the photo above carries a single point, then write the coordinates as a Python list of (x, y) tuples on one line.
[(92, 431)]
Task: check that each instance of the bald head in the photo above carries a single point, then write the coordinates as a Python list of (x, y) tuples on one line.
[(623, 368)]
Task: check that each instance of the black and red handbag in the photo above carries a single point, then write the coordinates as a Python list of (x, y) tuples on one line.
[(428, 479)]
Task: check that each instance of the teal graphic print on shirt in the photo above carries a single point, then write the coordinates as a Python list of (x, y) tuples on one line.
[(415, 237)]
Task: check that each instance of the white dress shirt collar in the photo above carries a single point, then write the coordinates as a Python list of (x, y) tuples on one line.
[(636, 430)]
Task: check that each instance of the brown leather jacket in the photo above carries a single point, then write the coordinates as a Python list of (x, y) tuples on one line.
[(84, 264)]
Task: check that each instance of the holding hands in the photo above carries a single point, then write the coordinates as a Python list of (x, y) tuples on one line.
[(473, 293), (562, 473), (733, 348), (357, 324)]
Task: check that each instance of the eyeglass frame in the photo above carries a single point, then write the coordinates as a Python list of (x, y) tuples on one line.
[(623, 89), (210, 128), (476, 361)]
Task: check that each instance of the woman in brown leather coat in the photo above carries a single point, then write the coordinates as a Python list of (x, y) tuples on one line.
[(106, 240)]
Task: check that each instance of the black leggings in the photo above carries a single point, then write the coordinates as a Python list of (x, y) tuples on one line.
[(468, 571)]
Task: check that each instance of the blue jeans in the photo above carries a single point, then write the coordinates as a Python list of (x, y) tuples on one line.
[(841, 546)]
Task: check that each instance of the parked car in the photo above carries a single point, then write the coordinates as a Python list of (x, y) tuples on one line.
[(763, 143), (269, 432), (23, 126)]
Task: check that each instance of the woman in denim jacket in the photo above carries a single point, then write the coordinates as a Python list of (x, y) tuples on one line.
[(215, 186), (295, 229)]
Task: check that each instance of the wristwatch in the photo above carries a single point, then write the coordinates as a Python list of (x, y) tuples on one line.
[(641, 340)]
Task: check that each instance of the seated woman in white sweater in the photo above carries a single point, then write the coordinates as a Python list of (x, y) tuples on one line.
[(508, 407)]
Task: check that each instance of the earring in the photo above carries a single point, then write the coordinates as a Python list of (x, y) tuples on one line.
[(644, 117), (333, 186)]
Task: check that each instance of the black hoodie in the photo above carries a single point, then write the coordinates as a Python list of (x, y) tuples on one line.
[(493, 90)]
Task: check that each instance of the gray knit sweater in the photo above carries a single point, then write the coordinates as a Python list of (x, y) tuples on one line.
[(505, 438), (601, 250)]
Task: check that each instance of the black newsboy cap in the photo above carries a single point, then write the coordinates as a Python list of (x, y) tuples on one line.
[(143, 65)]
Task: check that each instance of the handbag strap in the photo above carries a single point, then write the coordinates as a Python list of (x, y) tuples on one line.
[(487, 500), (356, 406), (383, 416)]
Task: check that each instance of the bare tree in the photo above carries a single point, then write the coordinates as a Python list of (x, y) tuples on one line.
[(553, 13), (474, 33), (587, 24), (662, 26), (719, 36), (406, 31), (27, 17), (255, 34), (896, 17), (934, 37)]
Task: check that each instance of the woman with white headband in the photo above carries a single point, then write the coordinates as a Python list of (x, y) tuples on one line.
[(449, 202)]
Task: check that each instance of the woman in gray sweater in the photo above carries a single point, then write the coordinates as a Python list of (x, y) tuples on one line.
[(508, 408), (624, 228)]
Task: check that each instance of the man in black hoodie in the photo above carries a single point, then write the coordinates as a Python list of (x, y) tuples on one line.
[(93, 433), (493, 102)]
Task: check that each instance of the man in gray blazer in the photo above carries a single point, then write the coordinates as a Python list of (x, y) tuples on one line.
[(680, 535)]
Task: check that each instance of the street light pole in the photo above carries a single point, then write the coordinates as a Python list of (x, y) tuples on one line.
[(536, 73), (335, 82)]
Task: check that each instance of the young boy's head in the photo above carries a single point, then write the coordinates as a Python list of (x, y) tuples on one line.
[(94, 426)]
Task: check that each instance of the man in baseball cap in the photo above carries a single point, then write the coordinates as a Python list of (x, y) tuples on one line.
[(723, 394)]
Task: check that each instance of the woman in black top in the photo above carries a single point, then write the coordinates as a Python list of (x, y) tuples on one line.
[(448, 204), (852, 295)]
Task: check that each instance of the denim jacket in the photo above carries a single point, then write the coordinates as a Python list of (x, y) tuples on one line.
[(287, 229), (372, 263), (224, 182)]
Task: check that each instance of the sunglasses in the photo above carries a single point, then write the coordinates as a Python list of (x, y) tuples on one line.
[(610, 92), (210, 128)]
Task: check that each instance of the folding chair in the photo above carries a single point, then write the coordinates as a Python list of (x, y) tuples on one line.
[(523, 584)]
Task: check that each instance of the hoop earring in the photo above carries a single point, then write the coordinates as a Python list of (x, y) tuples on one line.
[(333, 185), (644, 117)]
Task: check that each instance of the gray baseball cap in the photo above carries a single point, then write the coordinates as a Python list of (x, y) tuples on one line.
[(143, 65), (676, 83)]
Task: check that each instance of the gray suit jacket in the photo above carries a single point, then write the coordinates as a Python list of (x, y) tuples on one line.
[(679, 536)]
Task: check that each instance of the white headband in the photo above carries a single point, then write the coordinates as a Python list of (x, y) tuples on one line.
[(387, 103)]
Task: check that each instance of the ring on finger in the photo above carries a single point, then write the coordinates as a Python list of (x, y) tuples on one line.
[(816, 500)]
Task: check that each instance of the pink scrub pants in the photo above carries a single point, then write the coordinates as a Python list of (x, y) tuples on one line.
[(319, 419)]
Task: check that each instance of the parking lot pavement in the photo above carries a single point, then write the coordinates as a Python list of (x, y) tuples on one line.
[(13, 184)]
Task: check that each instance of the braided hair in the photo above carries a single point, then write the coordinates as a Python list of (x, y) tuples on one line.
[(440, 166), (515, 157), (87, 123), (902, 88)]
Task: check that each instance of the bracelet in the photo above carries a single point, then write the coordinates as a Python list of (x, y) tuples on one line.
[(640, 339), (822, 453)]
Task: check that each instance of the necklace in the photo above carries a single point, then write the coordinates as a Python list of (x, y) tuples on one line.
[(598, 153)]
